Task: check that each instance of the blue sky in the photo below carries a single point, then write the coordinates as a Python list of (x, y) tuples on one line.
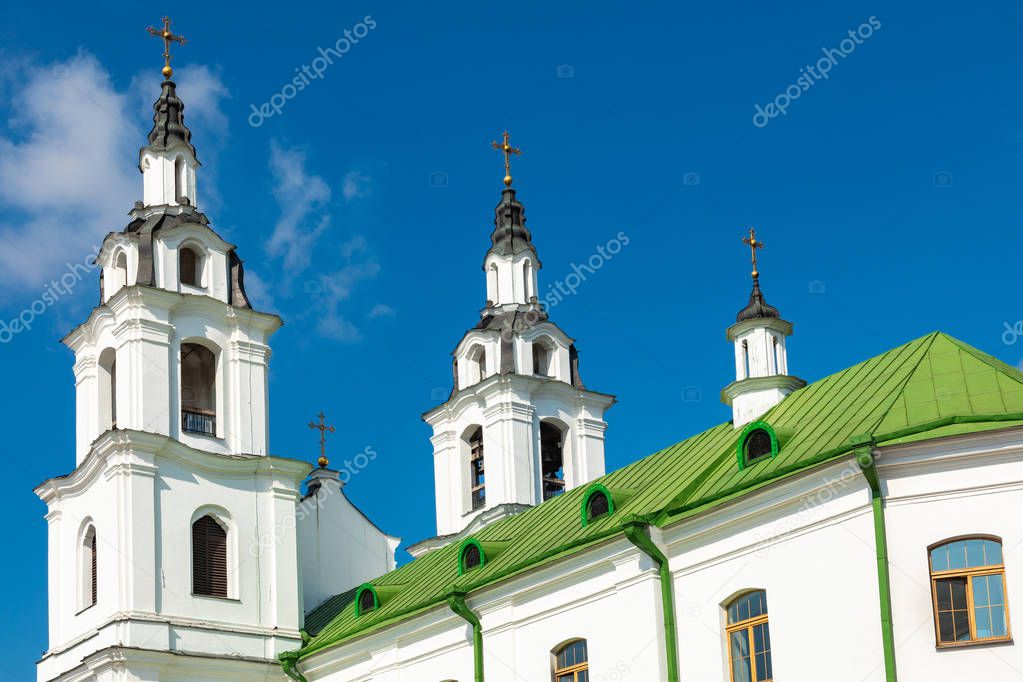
[(887, 195)]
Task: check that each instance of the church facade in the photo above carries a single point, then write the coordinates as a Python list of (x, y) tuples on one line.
[(860, 527)]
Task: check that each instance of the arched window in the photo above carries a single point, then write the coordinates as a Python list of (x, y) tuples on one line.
[(495, 279), (88, 566), (477, 367), (542, 355), (209, 558), (597, 503), (571, 662), (527, 280), (121, 265), (757, 445), (179, 178), (471, 556), (189, 266), (198, 389), (745, 360), (477, 476), (366, 600), (968, 586), (749, 638), (777, 355), (551, 460), (108, 389)]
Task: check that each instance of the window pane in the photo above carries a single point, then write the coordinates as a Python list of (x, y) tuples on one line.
[(980, 596), (939, 558), (958, 586), (946, 631), (962, 626), (740, 656), (974, 553), (744, 609), (758, 639), (994, 588), (565, 678), (957, 554), (583, 676), (982, 622), (733, 613), (992, 553), (999, 627)]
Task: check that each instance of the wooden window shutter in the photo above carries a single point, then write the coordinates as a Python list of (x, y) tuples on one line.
[(209, 558)]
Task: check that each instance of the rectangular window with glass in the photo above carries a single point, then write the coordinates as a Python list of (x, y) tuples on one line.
[(968, 587)]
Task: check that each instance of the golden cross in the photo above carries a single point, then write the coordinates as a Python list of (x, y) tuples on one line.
[(168, 38), (754, 244), (508, 150), (323, 428)]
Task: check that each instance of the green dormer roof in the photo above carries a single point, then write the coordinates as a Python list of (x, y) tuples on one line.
[(932, 387)]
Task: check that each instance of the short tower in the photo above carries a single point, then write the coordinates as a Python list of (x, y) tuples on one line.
[(761, 361), (519, 427)]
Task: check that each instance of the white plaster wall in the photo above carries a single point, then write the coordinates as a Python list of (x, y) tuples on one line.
[(142, 492), (970, 486), (339, 548), (158, 182), (810, 545)]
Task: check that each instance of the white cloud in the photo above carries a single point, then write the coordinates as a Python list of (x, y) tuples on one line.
[(68, 172), (302, 198), (355, 185), (381, 310)]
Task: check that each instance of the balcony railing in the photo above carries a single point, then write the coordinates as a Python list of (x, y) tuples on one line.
[(194, 421)]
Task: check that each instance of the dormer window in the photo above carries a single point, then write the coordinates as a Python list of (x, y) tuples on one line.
[(757, 442), (189, 266)]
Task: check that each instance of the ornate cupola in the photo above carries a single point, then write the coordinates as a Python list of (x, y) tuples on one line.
[(168, 163), (761, 362), (519, 426)]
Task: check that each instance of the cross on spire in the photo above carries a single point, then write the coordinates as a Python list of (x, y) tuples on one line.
[(324, 429), (507, 150), (753, 244), (168, 38)]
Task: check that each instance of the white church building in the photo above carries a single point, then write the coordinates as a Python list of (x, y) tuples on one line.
[(864, 527)]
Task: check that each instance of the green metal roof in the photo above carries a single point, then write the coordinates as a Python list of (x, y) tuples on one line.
[(931, 387)]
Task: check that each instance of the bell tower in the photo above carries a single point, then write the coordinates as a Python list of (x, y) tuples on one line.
[(154, 558), (519, 427), (759, 336)]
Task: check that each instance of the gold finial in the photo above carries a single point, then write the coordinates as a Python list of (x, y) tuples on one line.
[(323, 428), (167, 37), (508, 150), (753, 244)]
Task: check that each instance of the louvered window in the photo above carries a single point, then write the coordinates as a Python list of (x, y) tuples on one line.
[(92, 568), (88, 573), (209, 558)]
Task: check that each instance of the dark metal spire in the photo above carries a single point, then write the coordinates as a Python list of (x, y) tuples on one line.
[(169, 120), (510, 235), (757, 307)]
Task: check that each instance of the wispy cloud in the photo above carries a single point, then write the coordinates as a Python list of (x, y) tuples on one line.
[(303, 199), (304, 229), (381, 310), (355, 185)]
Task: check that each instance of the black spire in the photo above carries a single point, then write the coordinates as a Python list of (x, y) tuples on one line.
[(169, 120), (757, 307), (510, 235)]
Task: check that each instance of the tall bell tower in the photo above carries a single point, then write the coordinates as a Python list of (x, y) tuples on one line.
[(154, 552), (519, 427)]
